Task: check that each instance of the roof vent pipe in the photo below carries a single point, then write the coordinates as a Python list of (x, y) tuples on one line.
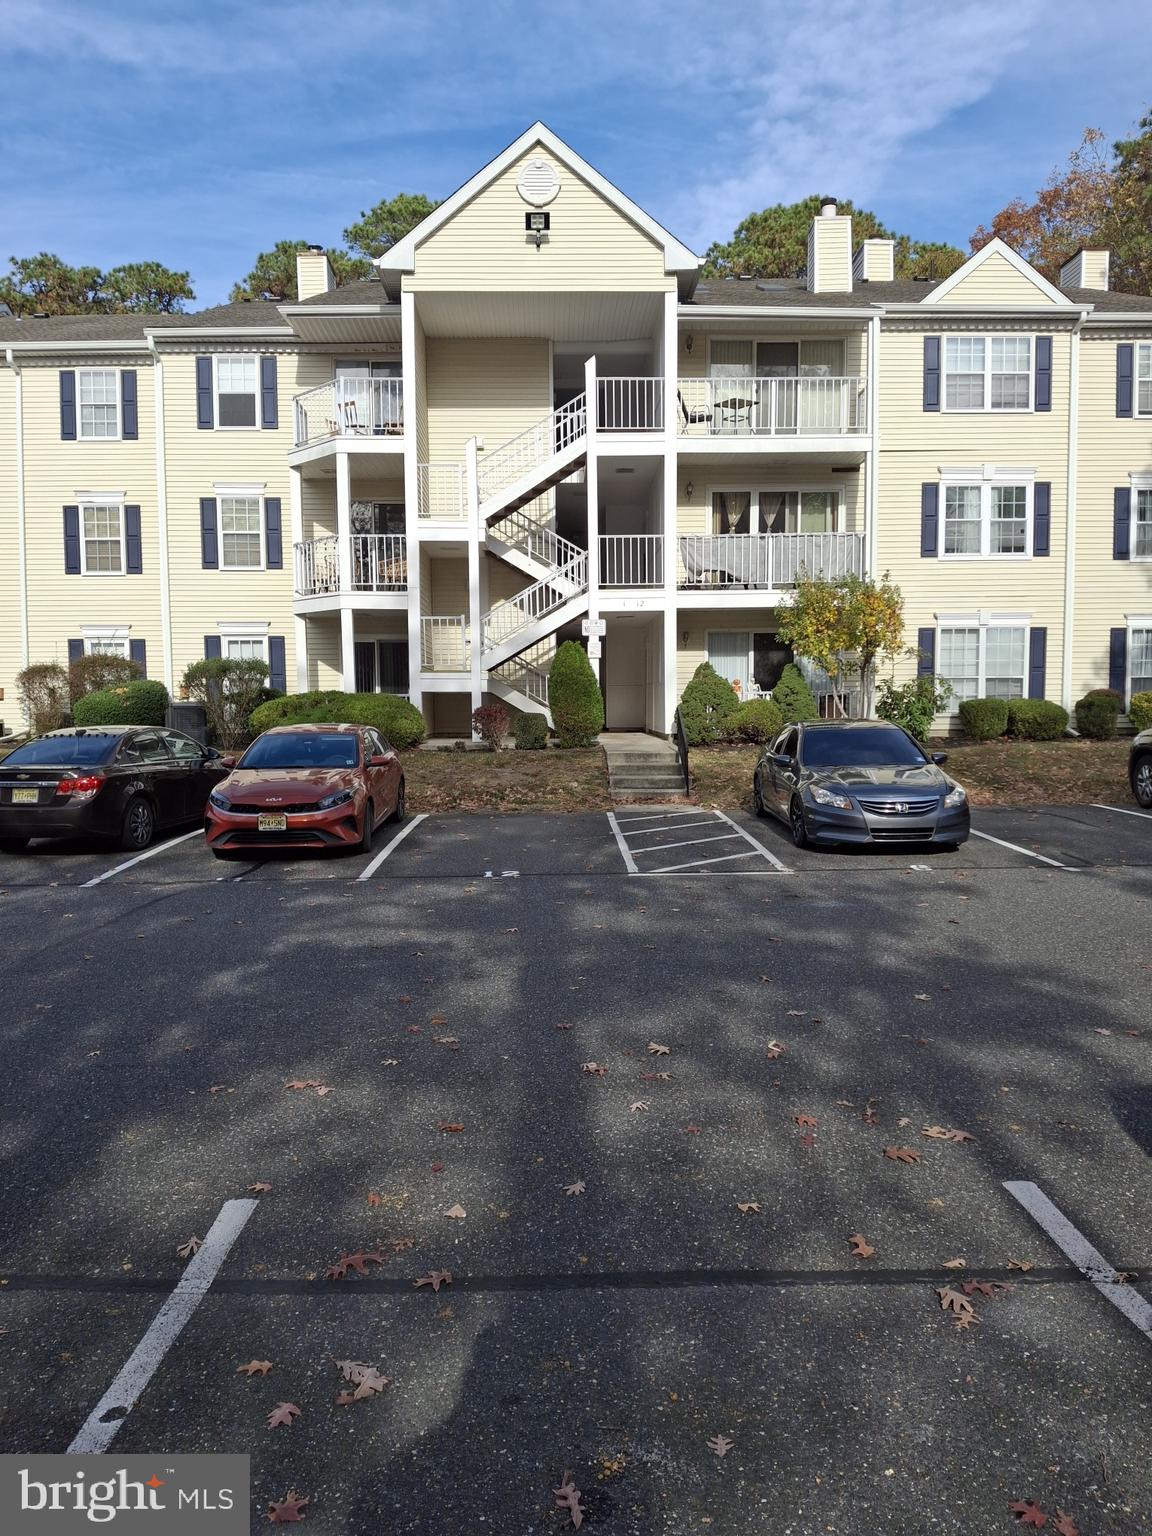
[(827, 207)]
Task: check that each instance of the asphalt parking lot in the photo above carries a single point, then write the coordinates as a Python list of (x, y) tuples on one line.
[(154, 1012)]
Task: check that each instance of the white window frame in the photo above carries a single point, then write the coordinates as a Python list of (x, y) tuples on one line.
[(117, 405), (1141, 486), (91, 502), (983, 622), (107, 635), (237, 629), (231, 357), (839, 511), (1136, 622), (240, 493), (987, 477), (796, 341), (1142, 372), (987, 409)]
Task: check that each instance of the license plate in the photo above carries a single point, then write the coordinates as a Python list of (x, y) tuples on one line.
[(25, 796), (271, 821)]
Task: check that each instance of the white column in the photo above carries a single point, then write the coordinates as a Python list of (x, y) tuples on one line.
[(348, 650), (300, 626), (475, 557), (167, 661), (1066, 676), (344, 520), (670, 349), (408, 352), (21, 530), (591, 480), (871, 460)]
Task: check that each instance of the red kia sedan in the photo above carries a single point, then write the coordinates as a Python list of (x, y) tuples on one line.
[(306, 786)]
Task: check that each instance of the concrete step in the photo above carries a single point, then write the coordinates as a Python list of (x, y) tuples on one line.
[(663, 796), (630, 781), (641, 759)]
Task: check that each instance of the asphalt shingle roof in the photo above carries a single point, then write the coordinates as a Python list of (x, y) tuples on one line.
[(365, 290)]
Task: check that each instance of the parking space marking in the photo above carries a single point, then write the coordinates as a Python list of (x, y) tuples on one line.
[(627, 835), (103, 1423), (1122, 810), (629, 861), (1027, 852), (667, 826), (149, 853), (686, 842), (1075, 1246), (366, 874)]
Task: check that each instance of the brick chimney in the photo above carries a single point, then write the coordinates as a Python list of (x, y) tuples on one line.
[(313, 272), (1087, 269), (830, 250)]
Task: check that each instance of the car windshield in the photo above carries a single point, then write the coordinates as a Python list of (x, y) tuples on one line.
[(62, 752), (874, 747), (304, 749)]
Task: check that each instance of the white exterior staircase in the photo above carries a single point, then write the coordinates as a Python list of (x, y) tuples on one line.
[(534, 460)]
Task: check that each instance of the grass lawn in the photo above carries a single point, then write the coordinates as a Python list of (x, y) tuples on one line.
[(507, 781), (993, 772)]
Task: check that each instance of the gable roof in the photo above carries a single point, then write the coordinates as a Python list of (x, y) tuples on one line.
[(677, 257), (997, 247)]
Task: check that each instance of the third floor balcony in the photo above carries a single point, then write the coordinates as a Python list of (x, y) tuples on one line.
[(731, 406), (358, 408)]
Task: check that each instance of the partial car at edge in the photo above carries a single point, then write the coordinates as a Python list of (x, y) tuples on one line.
[(1140, 769)]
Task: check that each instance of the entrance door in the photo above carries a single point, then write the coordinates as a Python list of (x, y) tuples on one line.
[(625, 672)]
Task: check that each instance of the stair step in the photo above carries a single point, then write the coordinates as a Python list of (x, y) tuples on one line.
[(641, 759), (661, 796), (645, 780)]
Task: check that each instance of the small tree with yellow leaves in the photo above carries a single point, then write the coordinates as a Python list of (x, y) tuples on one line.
[(846, 626)]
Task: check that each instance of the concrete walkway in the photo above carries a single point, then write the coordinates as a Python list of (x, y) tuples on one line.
[(642, 766)]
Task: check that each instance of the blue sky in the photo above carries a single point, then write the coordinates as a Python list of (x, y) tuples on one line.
[(198, 134)]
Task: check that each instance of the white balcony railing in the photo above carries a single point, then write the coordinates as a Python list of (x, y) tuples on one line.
[(440, 492), (743, 407), (766, 561), (350, 407), (631, 560), (444, 644), (629, 404), (529, 449), (378, 562)]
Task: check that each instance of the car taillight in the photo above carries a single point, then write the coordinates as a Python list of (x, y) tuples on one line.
[(85, 787)]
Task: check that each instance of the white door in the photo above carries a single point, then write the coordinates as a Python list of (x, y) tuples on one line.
[(625, 673)]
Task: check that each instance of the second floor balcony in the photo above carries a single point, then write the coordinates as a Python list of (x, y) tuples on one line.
[(350, 408), (377, 562), (736, 406), (770, 562)]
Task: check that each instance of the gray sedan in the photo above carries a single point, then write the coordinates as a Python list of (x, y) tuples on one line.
[(859, 781), (1140, 769)]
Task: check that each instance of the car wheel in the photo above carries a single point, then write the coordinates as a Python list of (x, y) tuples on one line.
[(758, 796), (139, 825), (369, 828), (1142, 781), (401, 803), (797, 823)]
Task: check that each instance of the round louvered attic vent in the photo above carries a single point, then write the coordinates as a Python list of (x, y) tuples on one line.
[(538, 183)]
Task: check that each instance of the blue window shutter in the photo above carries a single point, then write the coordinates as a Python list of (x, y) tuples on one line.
[(129, 425), (1118, 660), (273, 542), (1042, 396), (931, 373), (71, 541), (138, 652), (204, 414), (209, 557), (926, 645), (929, 518), (269, 410), (75, 650), (1124, 361), (133, 553), (1042, 518), (277, 668), (68, 404), (1121, 523), (1037, 661), (211, 647)]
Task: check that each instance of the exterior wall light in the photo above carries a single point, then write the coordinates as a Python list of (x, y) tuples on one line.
[(690, 490)]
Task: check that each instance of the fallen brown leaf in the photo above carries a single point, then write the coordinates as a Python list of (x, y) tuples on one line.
[(289, 1508), (186, 1250), (775, 1049), (255, 1368), (574, 1189), (987, 1288), (804, 1120), (939, 1133), (1028, 1513), (902, 1154), (1022, 1264), (719, 1446), (568, 1498), (456, 1212), (638, 1106), (374, 1198), (691, 1130), (594, 1068), (748, 1205), (1065, 1525), (354, 1261), (861, 1247), (365, 1378), (435, 1278), (658, 1050), (955, 1263), (283, 1413), (259, 1189), (953, 1301), (453, 1126)]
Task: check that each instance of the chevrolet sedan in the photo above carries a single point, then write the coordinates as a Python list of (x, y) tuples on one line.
[(859, 781)]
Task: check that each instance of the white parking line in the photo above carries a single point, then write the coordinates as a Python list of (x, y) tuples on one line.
[(95, 1434), (1016, 848), (668, 826), (715, 820), (629, 861), (686, 842), (366, 874), (673, 869), (149, 853), (1122, 810), (1091, 1264), (759, 847), (660, 815)]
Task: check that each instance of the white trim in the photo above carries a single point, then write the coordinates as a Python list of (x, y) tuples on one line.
[(245, 627), (230, 357), (101, 495), (105, 631), (1133, 626), (755, 491), (245, 633), (263, 528), (162, 555), (982, 623), (21, 531), (1072, 476), (1139, 349), (119, 638), (987, 483), (996, 246), (1141, 486), (92, 503), (118, 402), (402, 256), (987, 408), (239, 487)]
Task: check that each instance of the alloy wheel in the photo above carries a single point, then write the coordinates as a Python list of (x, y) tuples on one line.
[(1142, 781), (796, 821), (140, 824)]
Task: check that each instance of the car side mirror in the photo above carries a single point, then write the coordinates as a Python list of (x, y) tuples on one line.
[(380, 760), (939, 758), (781, 759)]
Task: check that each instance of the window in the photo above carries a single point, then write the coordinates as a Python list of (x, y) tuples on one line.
[(182, 747), (755, 511), (102, 539), (1142, 525), (241, 533), (1144, 379), (236, 391), (245, 648), (98, 396), (987, 519), (987, 373), (1139, 662), (983, 661), (106, 646)]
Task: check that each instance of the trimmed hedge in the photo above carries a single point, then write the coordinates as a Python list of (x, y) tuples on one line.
[(756, 720), (574, 697), (144, 702), (1140, 711), (1097, 713), (707, 706), (400, 722), (984, 719), (793, 697), (531, 732), (1036, 719)]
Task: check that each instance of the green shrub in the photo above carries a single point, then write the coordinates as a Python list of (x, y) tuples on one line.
[(756, 720), (914, 704), (531, 733), (707, 706), (399, 722), (574, 697), (1140, 711), (142, 702), (96, 672), (1036, 719), (229, 691), (984, 719), (1097, 712), (43, 690), (793, 697)]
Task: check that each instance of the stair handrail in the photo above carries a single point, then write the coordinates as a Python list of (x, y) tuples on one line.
[(536, 601), (554, 550), (552, 434), (530, 680), (682, 751)]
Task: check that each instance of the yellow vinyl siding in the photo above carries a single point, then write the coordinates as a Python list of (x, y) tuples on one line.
[(419, 362), (591, 246), (323, 652), (995, 281), (696, 624), (504, 581), (1111, 448), (490, 389)]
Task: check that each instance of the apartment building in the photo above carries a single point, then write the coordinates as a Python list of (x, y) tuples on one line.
[(537, 421)]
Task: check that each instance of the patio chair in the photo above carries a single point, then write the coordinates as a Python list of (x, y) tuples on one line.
[(698, 416), (352, 420)]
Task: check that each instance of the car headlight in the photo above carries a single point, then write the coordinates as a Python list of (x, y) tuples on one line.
[(221, 802), (955, 796), (339, 797), (829, 797)]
